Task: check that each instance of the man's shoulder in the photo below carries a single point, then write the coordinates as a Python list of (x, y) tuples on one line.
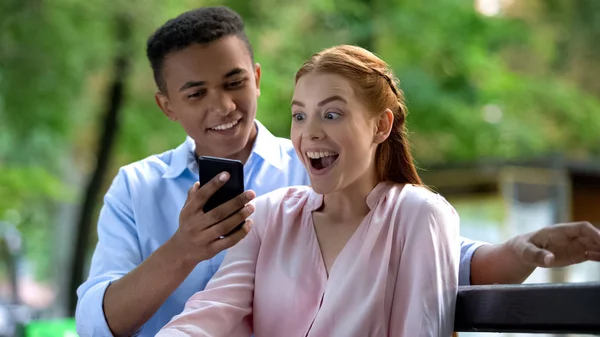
[(142, 174), (153, 166)]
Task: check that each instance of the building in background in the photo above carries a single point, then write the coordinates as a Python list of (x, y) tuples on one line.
[(498, 200)]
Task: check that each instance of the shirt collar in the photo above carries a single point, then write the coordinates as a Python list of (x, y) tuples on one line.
[(373, 198), (266, 146), (182, 158)]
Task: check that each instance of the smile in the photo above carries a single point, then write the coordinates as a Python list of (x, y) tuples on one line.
[(225, 126), (320, 160)]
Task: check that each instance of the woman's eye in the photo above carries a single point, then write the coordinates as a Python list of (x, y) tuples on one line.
[(298, 117), (332, 115)]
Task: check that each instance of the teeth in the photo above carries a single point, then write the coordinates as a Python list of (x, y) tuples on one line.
[(225, 126), (321, 154)]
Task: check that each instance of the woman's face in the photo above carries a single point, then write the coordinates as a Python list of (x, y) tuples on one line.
[(334, 134)]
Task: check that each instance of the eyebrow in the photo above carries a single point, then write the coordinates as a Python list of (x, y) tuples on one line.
[(331, 99), (234, 72), (191, 84), (323, 102)]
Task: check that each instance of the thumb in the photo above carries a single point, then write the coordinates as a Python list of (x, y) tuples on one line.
[(537, 256)]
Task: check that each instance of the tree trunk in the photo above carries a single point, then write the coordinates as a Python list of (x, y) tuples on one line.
[(114, 104)]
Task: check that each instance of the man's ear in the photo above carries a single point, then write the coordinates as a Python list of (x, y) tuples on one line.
[(257, 78), (165, 105), (383, 126)]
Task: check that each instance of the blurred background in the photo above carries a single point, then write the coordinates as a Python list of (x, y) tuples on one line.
[(503, 98)]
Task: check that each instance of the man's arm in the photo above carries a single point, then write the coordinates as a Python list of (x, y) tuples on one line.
[(123, 292), (493, 264), (550, 247)]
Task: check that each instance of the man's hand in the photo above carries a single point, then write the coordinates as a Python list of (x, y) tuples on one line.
[(200, 235), (550, 247), (133, 299), (559, 245)]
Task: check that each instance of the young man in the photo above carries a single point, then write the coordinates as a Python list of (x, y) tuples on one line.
[(156, 248)]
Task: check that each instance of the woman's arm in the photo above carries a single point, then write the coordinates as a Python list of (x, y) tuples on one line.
[(224, 308), (427, 284)]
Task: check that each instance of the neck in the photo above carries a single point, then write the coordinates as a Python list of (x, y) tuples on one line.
[(350, 202), (242, 155)]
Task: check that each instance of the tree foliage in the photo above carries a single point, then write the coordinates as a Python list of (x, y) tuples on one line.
[(520, 84)]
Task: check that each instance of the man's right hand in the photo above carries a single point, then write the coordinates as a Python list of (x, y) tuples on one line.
[(200, 235), (131, 300)]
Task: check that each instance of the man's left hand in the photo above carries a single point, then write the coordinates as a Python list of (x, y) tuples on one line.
[(559, 245)]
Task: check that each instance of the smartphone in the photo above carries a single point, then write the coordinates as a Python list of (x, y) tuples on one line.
[(209, 168)]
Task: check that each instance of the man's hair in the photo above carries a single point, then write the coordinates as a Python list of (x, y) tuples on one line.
[(199, 26)]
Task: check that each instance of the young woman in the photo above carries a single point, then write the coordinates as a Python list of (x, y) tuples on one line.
[(366, 251)]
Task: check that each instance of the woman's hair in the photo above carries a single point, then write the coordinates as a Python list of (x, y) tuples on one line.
[(376, 86)]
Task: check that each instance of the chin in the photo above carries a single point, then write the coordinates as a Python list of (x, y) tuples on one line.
[(233, 147), (322, 187)]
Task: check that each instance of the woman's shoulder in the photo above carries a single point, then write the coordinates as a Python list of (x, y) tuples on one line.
[(283, 195), (416, 198), (285, 198), (270, 207)]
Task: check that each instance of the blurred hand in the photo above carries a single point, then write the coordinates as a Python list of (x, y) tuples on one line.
[(200, 235), (559, 245)]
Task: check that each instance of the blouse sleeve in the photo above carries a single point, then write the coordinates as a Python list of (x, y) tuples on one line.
[(224, 307), (427, 285)]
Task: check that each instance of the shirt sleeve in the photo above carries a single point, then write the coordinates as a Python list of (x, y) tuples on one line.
[(427, 284), (224, 307), (117, 252), (467, 249)]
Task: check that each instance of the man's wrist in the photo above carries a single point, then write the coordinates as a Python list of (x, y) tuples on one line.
[(516, 248), (177, 254)]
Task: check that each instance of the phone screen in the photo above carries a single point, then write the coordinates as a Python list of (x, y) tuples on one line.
[(210, 167)]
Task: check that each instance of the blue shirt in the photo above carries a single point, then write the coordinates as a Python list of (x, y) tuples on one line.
[(141, 212)]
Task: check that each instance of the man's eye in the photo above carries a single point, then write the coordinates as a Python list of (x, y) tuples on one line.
[(196, 94), (235, 84)]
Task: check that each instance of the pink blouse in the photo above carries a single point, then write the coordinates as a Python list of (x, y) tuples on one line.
[(396, 276)]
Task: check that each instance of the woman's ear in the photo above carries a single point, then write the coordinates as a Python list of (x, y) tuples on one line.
[(383, 126)]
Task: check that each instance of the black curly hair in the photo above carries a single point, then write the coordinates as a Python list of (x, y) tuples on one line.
[(202, 26)]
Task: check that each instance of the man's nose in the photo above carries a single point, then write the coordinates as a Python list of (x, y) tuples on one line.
[(221, 103)]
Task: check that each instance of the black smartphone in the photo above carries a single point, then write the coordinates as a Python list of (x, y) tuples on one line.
[(210, 167)]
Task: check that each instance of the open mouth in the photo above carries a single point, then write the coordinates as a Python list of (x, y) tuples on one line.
[(226, 126), (322, 159)]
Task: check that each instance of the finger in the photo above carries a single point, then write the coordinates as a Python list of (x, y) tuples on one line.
[(591, 232), (228, 208), (537, 256), (231, 240), (192, 191), (593, 256), (226, 226), (205, 192)]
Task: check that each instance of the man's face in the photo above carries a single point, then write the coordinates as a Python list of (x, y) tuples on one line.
[(212, 91)]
